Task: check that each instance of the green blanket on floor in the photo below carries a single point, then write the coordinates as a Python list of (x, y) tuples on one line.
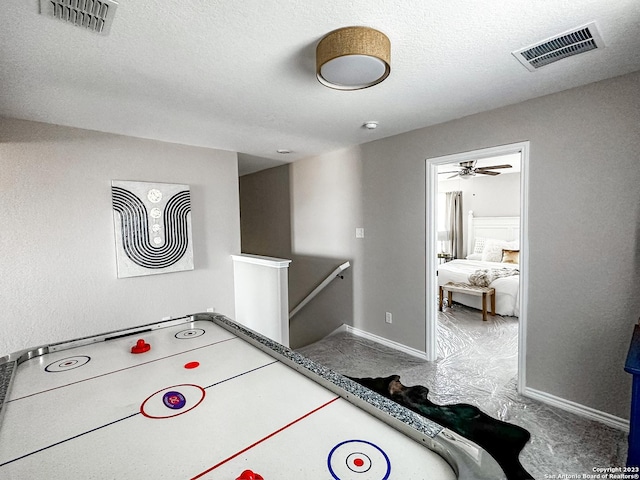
[(502, 440)]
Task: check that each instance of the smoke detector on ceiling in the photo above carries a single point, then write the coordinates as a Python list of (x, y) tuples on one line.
[(93, 15), (579, 40)]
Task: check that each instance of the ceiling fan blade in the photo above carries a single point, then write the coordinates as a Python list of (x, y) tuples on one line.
[(453, 176), (493, 167), (487, 172), (469, 164), (450, 171)]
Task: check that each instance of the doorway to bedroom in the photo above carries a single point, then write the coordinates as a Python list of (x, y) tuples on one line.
[(477, 244)]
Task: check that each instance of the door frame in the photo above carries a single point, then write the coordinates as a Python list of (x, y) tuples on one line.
[(432, 165)]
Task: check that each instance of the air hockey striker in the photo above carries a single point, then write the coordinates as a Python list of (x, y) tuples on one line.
[(203, 397)]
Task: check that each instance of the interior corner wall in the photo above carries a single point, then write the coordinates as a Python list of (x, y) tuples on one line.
[(308, 212), (583, 232), (58, 272)]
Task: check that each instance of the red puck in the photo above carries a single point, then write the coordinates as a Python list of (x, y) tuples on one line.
[(191, 365), (249, 475), (140, 347)]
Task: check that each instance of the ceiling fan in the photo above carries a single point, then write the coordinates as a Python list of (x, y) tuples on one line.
[(468, 170)]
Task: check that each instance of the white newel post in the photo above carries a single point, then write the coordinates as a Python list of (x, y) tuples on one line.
[(262, 295)]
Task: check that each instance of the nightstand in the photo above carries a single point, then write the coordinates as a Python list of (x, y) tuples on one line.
[(444, 257)]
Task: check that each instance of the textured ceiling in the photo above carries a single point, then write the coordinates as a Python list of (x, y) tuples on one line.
[(239, 75)]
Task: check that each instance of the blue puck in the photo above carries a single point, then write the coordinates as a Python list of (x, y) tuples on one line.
[(174, 400)]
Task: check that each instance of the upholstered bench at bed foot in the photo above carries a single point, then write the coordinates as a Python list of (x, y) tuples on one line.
[(484, 292)]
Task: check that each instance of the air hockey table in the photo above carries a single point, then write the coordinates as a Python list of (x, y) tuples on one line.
[(204, 397)]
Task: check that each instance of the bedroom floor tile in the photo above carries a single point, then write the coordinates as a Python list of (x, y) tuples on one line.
[(477, 364)]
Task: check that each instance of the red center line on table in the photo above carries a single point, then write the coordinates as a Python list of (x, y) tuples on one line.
[(133, 415), (200, 475)]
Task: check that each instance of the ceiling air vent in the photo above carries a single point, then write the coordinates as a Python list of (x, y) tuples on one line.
[(94, 15), (567, 44)]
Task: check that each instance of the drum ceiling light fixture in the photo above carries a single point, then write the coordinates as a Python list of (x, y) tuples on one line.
[(352, 58)]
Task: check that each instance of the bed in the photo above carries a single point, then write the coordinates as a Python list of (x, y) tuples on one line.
[(493, 245)]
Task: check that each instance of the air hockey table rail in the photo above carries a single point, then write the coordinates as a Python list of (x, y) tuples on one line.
[(467, 460)]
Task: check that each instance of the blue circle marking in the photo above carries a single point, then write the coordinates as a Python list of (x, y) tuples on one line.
[(174, 400), (356, 442)]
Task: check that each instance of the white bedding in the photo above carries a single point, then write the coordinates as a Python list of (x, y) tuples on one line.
[(507, 298)]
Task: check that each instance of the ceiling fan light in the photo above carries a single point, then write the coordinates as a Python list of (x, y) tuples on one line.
[(353, 58)]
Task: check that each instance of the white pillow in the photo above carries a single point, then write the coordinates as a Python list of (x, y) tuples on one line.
[(493, 249), (478, 247), (474, 256)]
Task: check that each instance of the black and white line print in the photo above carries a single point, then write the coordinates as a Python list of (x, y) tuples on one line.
[(136, 239)]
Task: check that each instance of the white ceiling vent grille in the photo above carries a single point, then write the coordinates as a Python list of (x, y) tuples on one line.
[(94, 15), (567, 44)]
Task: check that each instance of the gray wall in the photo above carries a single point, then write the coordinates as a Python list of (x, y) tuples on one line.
[(57, 269), (583, 232), (265, 212), (584, 209)]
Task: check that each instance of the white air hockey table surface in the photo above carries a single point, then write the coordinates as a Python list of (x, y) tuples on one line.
[(209, 399)]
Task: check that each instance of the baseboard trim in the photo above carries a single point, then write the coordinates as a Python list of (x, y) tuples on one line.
[(578, 409), (381, 340), (547, 398)]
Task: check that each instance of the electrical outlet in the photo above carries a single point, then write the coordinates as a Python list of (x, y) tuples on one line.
[(388, 318), (360, 232)]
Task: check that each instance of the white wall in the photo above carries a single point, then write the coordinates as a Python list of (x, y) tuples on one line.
[(262, 295), (57, 269), (497, 196)]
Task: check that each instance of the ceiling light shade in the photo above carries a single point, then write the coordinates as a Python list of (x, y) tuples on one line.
[(353, 58)]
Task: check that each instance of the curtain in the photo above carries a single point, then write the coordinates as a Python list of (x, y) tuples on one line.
[(454, 223)]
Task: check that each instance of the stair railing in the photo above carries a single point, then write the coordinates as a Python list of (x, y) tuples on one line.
[(332, 276)]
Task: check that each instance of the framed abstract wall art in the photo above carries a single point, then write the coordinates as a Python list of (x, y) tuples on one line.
[(152, 224)]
